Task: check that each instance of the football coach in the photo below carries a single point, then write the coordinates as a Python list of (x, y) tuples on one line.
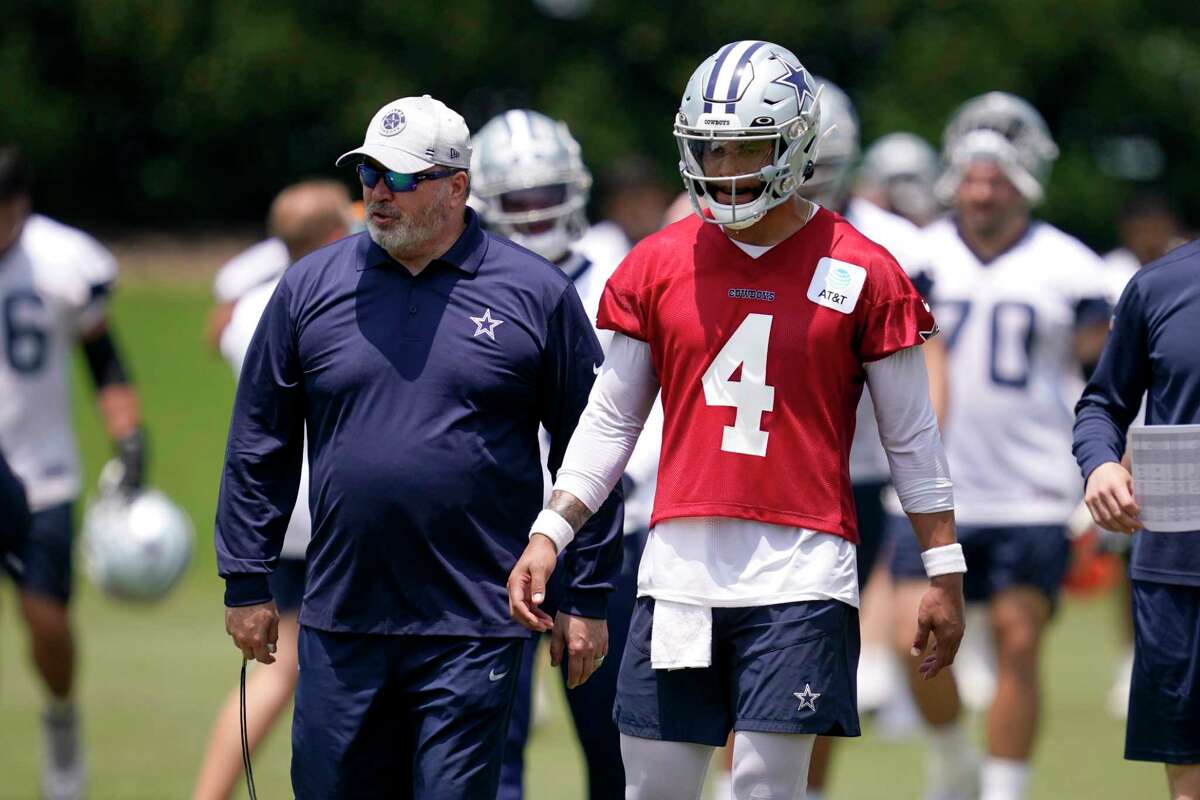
[(421, 356)]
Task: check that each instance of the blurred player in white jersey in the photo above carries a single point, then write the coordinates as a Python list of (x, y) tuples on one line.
[(897, 174), (55, 283), (304, 217), (261, 263), (1022, 309), (830, 186), (529, 183)]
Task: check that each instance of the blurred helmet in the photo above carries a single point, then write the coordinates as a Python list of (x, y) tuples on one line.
[(830, 183), (748, 91), (136, 545), (904, 167), (528, 181), (1003, 128)]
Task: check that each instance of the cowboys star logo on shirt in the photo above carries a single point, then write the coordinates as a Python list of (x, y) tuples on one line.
[(486, 324), (392, 122)]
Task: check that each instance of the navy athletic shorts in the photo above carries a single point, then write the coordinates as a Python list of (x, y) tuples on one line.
[(786, 668), (287, 584), (998, 557), (401, 716), (1164, 697), (46, 554), (872, 524)]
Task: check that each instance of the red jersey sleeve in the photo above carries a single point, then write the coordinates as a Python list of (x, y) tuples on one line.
[(894, 316), (623, 305)]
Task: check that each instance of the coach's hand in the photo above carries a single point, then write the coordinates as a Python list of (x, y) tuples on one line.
[(585, 641), (1109, 496), (940, 615), (527, 584), (254, 629)]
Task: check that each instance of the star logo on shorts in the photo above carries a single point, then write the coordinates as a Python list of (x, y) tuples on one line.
[(486, 324), (807, 698)]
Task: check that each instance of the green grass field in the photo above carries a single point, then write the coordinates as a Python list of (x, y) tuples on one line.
[(152, 677)]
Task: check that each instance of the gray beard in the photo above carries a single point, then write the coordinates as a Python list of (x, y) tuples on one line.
[(411, 234)]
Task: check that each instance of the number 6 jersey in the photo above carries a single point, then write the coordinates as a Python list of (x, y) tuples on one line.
[(54, 282), (761, 364)]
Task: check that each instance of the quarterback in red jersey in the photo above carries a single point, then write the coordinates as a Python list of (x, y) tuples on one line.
[(760, 319)]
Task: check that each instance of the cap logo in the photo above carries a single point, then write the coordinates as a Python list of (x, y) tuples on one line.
[(454, 154), (392, 122)]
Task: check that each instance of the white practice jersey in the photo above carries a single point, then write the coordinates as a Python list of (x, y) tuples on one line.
[(258, 264), (235, 341), (1119, 266), (591, 262), (54, 286), (868, 462), (1014, 379)]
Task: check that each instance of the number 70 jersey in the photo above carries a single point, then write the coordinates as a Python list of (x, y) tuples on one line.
[(1014, 377), (761, 364)]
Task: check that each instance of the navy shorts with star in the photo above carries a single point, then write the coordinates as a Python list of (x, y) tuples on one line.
[(998, 557), (786, 668), (1164, 695)]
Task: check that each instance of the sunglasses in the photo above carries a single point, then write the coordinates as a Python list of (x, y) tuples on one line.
[(398, 181)]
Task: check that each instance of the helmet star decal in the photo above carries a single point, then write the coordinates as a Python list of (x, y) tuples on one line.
[(794, 78)]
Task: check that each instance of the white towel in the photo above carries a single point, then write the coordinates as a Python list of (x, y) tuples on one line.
[(680, 636)]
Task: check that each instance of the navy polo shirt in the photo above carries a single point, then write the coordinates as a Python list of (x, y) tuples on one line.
[(1154, 349), (422, 398)]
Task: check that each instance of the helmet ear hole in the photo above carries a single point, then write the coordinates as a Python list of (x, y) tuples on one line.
[(809, 168)]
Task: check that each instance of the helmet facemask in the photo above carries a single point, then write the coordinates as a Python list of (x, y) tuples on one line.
[(791, 143), (546, 219)]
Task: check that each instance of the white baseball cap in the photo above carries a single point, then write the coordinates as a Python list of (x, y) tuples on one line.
[(414, 133)]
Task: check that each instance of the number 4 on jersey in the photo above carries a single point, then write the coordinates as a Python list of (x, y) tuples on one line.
[(750, 395)]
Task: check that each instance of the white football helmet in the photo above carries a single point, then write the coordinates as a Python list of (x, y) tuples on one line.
[(830, 183), (904, 167), (136, 547), (528, 181), (748, 91), (999, 127)]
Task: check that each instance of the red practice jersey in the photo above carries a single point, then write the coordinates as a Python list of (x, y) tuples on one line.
[(761, 364)]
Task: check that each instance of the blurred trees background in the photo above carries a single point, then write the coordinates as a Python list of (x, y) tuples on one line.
[(186, 114)]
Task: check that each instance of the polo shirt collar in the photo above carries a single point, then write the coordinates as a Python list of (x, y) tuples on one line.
[(465, 255)]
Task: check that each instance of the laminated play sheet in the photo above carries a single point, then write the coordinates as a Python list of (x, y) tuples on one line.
[(1166, 476)]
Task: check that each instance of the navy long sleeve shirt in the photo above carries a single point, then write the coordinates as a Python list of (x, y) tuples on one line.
[(1154, 349), (422, 398)]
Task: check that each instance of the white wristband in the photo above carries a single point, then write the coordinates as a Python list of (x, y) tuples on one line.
[(944, 560), (554, 527)]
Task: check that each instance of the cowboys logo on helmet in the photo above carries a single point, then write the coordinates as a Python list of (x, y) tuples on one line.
[(902, 168), (830, 183), (748, 96), (1003, 128), (528, 181), (137, 544)]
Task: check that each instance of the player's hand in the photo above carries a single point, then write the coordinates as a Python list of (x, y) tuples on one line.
[(527, 584), (1109, 496), (585, 642), (939, 624), (254, 629)]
